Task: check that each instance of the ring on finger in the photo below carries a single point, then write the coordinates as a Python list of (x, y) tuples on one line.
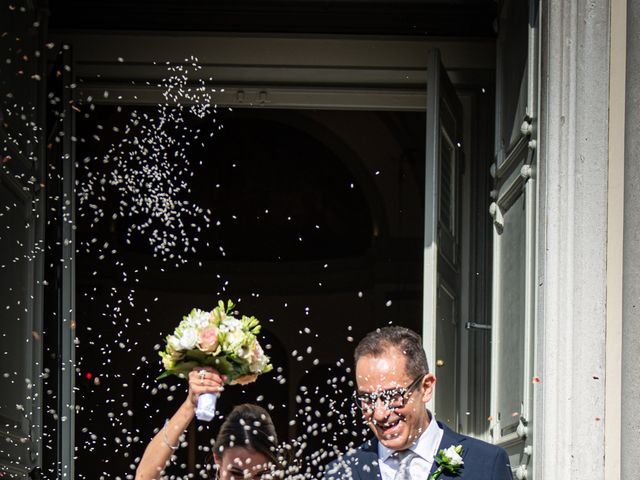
[(202, 374)]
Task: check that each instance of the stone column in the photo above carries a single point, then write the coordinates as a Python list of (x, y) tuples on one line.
[(630, 441), (571, 315)]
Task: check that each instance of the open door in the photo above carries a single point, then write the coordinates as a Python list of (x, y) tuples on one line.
[(59, 299), (21, 278), (514, 211), (441, 301), (21, 243)]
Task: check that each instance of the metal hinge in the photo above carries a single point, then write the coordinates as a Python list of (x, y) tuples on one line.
[(476, 326)]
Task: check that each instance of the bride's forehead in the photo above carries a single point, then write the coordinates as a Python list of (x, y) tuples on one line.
[(244, 457)]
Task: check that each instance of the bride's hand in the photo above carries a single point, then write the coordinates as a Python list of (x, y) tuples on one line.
[(204, 380)]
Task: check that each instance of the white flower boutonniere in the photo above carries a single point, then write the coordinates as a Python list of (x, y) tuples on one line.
[(449, 460)]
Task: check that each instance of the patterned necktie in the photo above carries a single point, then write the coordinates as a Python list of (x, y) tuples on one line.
[(404, 458)]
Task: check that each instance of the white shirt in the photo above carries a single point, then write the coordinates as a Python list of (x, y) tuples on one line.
[(425, 449)]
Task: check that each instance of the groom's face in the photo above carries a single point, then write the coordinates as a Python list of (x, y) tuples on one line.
[(395, 428)]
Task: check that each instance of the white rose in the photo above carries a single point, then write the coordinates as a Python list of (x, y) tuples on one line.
[(235, 336), (196, 319), (231, 324), (173, 342), (454, 457), (189, 339), (234, 339), (200, 319), (259, 365)]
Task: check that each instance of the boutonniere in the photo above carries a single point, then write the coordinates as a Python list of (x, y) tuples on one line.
[(448, 460)]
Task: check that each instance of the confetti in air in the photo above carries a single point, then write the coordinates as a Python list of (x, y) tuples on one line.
[(151, 170), (141, 197)]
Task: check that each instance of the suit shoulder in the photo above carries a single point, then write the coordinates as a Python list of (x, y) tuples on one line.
[(350, 463), (482, 447), (480, 456)]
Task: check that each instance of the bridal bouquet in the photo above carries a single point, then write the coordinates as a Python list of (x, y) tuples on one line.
[(215, 339)]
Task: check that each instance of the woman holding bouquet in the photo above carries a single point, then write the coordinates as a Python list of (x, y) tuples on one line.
[(245, 448)]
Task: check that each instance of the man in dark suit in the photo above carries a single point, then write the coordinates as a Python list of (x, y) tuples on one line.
[(393, 388)]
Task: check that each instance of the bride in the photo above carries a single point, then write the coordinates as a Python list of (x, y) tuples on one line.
[(246, 446)]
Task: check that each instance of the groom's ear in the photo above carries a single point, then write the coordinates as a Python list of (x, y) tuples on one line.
[(428, 382)]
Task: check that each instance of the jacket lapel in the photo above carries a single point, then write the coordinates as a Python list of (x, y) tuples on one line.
[(366, 465), (449, 438)]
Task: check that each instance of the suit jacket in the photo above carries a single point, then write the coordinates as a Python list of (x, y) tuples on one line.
[(482, 461)]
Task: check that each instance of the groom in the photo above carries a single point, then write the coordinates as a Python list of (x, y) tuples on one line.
[(394, 386)]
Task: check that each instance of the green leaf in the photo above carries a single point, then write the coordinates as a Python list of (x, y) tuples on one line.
[(164, 374), (196, 355), (222, 365)]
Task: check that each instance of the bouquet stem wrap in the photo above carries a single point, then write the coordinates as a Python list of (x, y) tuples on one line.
[(206, 408)]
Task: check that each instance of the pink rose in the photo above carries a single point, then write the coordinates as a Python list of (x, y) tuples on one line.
[(257, 353), (208, 341), (257, 360)]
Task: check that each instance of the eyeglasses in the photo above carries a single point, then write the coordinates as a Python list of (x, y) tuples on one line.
[(391, 398)]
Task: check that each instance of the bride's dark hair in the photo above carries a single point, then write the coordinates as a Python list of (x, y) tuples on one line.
[(249, 426)]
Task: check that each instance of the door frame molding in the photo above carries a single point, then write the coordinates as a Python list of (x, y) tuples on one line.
[(288, 71)]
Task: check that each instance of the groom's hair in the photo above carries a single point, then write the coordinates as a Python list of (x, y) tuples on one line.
[(406, 341)]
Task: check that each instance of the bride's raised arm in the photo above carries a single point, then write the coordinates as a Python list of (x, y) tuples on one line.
[(165, 442)]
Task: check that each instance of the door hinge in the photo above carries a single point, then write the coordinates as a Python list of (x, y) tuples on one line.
[(476, 326)]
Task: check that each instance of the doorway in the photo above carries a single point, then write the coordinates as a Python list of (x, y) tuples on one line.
[(316, 85), (317, 221)]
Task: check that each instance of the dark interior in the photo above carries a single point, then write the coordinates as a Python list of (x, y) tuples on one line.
[(303, 233), (298, 245), (435, 18)]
